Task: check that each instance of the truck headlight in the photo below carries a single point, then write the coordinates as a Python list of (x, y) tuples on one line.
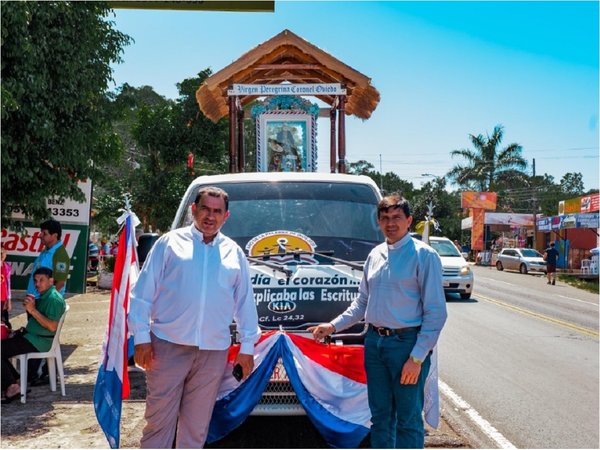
[(465, 270)]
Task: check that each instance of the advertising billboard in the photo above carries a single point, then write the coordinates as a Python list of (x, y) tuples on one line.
[(484, 200), (24, 247)]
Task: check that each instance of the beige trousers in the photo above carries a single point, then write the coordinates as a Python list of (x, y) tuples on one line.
[(182, 387)]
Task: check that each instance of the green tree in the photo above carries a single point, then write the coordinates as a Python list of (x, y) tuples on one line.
[(388, 182), (360, 167), (446, 207), (123, 174), (488, 167), (208, 141), (165, 133), (56, 128), (572, 184)]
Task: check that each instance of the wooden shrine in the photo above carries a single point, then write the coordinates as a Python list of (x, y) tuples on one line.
[(284, 70)]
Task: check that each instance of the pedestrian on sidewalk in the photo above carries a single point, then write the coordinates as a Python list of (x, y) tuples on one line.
[(551, 257)]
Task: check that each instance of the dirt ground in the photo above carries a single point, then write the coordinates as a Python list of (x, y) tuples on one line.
[(49, 420)]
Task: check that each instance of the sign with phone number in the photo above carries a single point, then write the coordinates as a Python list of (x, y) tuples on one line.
[(75, 218), (68, 210)]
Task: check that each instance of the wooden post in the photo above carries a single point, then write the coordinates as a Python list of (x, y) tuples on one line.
[(332, 141), (232, 136), (241, 146), (342, 135)]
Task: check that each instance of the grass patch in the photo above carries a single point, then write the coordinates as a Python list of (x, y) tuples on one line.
[(586, 285)]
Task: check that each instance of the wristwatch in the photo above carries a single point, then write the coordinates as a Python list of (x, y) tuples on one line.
[(416, 360)]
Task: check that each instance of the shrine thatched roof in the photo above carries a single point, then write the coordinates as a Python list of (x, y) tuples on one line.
[(287, 57)]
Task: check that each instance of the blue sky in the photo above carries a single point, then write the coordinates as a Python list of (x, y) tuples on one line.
[(444, 70)]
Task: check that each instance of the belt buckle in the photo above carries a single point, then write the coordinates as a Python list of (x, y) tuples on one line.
[(383, 331)]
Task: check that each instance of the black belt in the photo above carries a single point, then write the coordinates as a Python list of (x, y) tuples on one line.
[(383, 331)]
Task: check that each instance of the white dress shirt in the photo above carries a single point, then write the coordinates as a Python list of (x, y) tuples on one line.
[(189, 293)]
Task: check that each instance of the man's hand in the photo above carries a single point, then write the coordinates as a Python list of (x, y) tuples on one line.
[(143, 355), (321, 331), (410, 372), (247, 363), (29, 304)]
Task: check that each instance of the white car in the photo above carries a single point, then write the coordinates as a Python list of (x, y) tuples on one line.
[(458, 276)]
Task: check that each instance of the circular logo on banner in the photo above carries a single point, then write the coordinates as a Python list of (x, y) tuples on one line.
[(280, 244)]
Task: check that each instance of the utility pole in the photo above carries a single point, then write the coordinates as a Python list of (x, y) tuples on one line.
[(534, 212), (380, 175)]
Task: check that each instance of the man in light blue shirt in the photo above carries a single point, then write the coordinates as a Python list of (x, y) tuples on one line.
[(54, 256), (194, 283), (401, 297)]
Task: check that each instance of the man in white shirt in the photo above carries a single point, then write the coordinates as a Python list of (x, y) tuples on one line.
[(194, 282)]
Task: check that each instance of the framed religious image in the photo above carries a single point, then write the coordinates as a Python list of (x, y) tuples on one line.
[(286, 142)]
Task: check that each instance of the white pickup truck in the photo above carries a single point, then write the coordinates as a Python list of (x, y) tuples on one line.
[(306, 236)]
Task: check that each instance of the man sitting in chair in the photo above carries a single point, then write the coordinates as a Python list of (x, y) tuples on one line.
[(44, 315)]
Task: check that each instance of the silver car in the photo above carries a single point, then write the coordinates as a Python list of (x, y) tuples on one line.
[(522, 259)]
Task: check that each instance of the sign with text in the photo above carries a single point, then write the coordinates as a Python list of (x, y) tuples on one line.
[(590, 203), (24, 248), (68, 210), (287, 89), (309, 295)]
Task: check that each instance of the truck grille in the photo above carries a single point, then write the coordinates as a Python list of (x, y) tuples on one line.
[(279, 393), (279, 397)]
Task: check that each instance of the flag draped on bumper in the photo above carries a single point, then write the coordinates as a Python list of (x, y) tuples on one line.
[(112, 383), (329, 381)]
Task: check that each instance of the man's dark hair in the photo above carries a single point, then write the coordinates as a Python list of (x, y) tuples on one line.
[(551, 244), (53, 227), (43, 271), (393, 201), (213, 192)]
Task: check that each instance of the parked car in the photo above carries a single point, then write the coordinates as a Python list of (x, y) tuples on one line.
[(458, 276), (522, 259)]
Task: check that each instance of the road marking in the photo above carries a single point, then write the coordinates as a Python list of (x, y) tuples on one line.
[(577, 300), (483, 424), (562, 323), (495, 281)]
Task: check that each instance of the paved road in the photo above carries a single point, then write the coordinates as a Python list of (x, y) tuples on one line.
[(525, 356)]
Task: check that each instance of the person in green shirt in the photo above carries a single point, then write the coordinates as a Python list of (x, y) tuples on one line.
[(44, 315)]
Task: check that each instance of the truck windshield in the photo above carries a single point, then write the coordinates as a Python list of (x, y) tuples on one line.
[(339, 217)]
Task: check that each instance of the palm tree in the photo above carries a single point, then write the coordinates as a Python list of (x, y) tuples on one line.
[(488, 168)]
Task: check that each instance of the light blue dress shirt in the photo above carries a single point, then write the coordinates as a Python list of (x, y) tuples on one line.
[(402, 286), (189, 292), (45, 259)]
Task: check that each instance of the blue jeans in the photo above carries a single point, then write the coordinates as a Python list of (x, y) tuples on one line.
[(396, 409)]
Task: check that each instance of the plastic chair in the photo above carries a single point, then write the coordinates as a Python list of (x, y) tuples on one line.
[(594, 265), (53, 359), (586, 266)]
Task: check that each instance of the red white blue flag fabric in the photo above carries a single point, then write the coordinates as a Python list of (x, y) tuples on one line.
[(329, 381), (112, 383)]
